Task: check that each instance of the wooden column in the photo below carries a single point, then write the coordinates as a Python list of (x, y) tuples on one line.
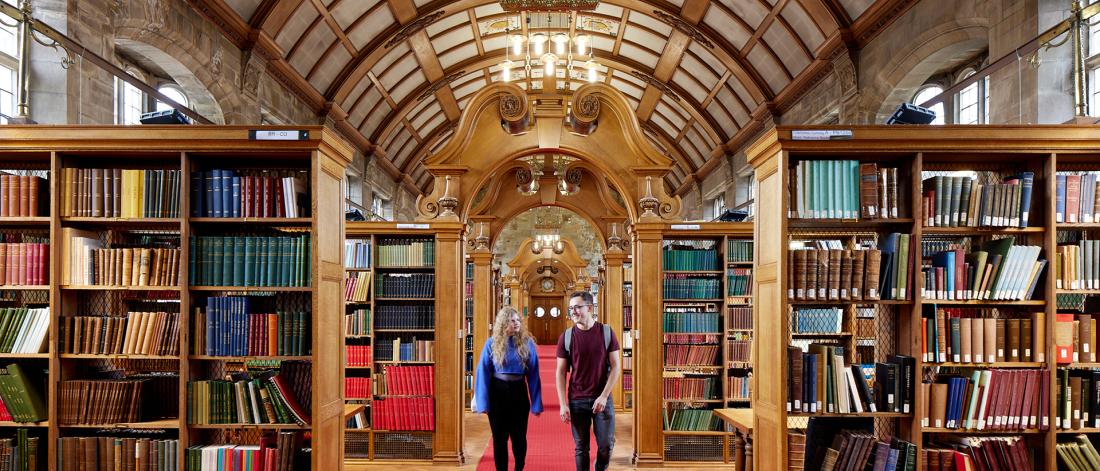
[(647, 347), (612, 293), (483, 302), (448, 344)]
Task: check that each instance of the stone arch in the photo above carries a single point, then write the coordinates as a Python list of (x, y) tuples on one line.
[(926, 54)]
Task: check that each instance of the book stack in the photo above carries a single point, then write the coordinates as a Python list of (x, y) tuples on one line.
[(357, 254), (1077, 197), (228, 327), (357, 323), (20, 396), (821, 381), (691, 349), (690, 255), (738, 350), (998, 270), (136, 333), (24, 263), (739, 250), (739, 318), (988, 399), (266, 397), (739, 281), (962, 201), (357, 287), (408, 404), (119, 453), (281, 452), (1078, 455), (679, 387), (1075, 338), (358, 355), (1077, 266), (823, 270), (1078, 399), (962, 453), (114, 193), (684, 286), (405, 285), (357, 388), (24, 330), (89, 263), (395, 350), (691, 319), (843, 189), (405, 317), (965, 335), (404, 252), (739, 388), (250, 260), (696, 420), (22, 195), (250, 194), (80, 406)]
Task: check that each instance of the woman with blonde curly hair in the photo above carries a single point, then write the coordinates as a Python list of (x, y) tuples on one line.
[(508, 359)]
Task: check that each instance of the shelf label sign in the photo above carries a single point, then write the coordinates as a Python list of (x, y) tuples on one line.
[(821, 134), (412, 226), (278, 135), (685, 227)]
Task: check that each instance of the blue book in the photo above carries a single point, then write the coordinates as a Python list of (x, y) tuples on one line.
[(227, 193), (892, 460), (216, 193), (211, 328), (1060, 205), (236, 196), (1027, 181)]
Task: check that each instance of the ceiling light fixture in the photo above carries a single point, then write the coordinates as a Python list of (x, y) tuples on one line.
[(546, 41)]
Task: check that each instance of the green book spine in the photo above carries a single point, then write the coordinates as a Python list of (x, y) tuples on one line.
[(192, 264), (230, 248), (281, 317), (28, 394), (286, 261), (239, 248), (249, 261), (270, 260)]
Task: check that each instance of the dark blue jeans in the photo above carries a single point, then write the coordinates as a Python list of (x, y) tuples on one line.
[(582, 420)]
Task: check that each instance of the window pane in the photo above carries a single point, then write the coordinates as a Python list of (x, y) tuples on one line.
[(927, 93), (172, 93), (968, 104), (9, 43)]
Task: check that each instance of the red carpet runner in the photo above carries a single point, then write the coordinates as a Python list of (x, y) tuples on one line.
[(549, 440)]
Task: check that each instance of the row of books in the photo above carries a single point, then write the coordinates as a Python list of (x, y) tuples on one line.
[(738, 387), (20, 397), (691, 355), (250, 260), (98, 401), (226, 327), (220, 193), (405, 285), (689, 321), (136, 333), (1078, 455), (963, 453), (358, 355), (404, 413), (843, 189), (25, 263), (738, 349), (24, 330), (999, 270), (23, 195), (117, 453), (738, 281), (123, 266), (357, 323), (357, 254), (854, 450), (275, 452), (690, 255), (115, 192), (681, 286), (1077, 197), (817, 320), (739, 250), (961, 201), (988, 399), (840, 274), (1075, 338), (690, 388), (357, 286), (406, 252), (417, 316), (1078, 399), (739, 318), (963, 335), (387, 350), (696, 420), (248, 398), (821, 381), (407, 380), (357, 387), (627, 361), (359, 421), (1078, 266)]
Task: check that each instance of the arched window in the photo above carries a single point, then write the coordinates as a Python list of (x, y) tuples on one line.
[(9, 63), (174, 93), (972, 102), (129, 102), (539, 311), (555, 312), (927, 93)]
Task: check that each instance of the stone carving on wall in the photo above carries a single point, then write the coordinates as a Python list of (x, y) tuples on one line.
[(155, 14), (253, 68)]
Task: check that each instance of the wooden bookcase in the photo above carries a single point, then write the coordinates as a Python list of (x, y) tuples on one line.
[(627, 342), (714, 445), (468, 330), (180, 149), (992, 153)]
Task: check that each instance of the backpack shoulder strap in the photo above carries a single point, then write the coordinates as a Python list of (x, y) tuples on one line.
[(568, 340), (606, 336)]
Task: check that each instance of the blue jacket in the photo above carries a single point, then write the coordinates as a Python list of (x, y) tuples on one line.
[(511, 365)]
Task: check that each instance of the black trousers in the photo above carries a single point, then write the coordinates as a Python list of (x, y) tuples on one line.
[(509, 408)]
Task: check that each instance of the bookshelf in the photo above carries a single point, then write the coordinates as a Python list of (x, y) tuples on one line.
[(1021, 312), (627, 343), (468, 330), (113, 208), (704, 285)]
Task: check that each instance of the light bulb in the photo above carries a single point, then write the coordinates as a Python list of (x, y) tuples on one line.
[(506, 71), (517, 44), (549, 61), (582, 44), (593, 72), (561, 43), (537, 41)]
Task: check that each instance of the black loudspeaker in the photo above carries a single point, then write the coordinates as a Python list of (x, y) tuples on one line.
[(908, 113), (172, 116)]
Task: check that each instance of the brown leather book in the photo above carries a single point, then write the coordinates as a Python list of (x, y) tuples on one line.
[(965, 342), (1025, 340), (858, 257), (1084, 333), (822, 273), (1038, 337), (811, 271), (1075, 401), (24, 195), (869, 191), (835, 257), (1002, 340), (977, 339), (892, 187), (871, 278), (1012, 346), (5, 180), (794, 357), (989, 328), (922, 401), (11, 195), (846, 270), (937, 400), (796, 451)]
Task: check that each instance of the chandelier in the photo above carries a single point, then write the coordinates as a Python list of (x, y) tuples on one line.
[(548, 241), (548, 44)]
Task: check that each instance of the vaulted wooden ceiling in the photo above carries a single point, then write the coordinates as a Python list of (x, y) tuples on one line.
[(701, 74)]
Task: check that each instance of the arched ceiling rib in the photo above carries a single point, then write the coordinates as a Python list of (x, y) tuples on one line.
[(700, 74)]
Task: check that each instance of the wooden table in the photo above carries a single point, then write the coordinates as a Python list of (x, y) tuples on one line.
[(741, 421)]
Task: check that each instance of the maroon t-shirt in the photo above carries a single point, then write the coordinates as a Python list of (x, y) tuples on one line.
[(590, 364)]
